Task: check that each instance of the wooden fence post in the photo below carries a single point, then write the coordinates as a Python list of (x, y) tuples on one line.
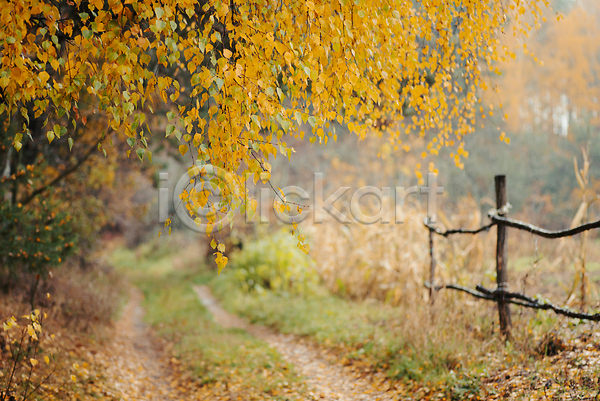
[(431, 268), (501, 258)]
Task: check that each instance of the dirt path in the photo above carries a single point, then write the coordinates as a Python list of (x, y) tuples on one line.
[(134, 361), (325, 378)]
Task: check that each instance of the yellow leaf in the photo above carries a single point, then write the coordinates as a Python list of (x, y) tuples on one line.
[(305, 248), (265, 176), (183, 149), (99, 4), (33, 362), (227, 53), (44, 77), (46, 359), (31, 332), (221, 261)]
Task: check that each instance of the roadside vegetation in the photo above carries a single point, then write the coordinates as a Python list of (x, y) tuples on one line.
[(451, 348), (52, 351)]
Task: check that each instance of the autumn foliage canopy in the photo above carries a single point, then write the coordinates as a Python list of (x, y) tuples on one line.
[(239, 79)]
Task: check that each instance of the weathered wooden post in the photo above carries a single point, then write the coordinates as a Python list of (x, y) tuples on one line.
[(431, 267), (432, 190), (501, 258)]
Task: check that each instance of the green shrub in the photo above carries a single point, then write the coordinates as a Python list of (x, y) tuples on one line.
[(275, 264)]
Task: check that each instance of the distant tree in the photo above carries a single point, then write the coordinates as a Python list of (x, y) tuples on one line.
[(555, 84)]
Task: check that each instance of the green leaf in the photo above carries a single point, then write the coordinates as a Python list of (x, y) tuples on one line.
[(131, 142), (70, 140), (195, 79), (140, 152), (170, 129)]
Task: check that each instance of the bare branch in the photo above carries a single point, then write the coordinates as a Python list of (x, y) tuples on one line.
[(62, 175)]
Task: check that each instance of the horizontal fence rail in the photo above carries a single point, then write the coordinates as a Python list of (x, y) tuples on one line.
[(498, 220), (447, 233), (517, 299), (540, 231)]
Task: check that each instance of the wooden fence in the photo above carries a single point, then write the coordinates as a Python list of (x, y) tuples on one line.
[(501, 295)]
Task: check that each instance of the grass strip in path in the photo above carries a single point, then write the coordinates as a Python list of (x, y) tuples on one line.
[(326, 379), (210, 361)]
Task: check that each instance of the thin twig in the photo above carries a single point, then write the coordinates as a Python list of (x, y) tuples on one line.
[(14, 367), (269, 181)]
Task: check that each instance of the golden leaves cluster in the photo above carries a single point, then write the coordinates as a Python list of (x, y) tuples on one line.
[(259, 70)]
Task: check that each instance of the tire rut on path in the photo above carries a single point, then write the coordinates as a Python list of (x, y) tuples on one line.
[(325, 378), (133, 359)]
